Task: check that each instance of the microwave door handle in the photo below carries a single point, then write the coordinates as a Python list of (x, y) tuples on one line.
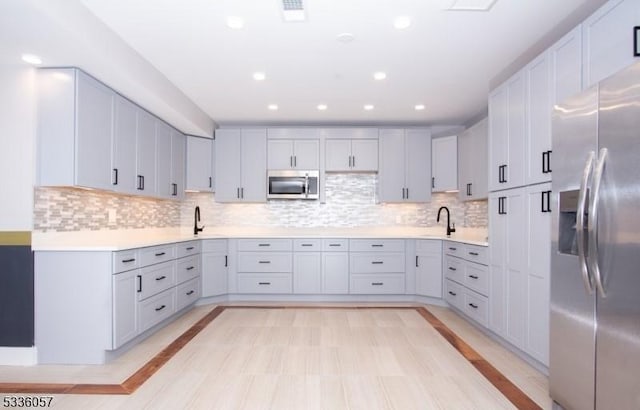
[(306, 185), (582, 199), (592, 223)]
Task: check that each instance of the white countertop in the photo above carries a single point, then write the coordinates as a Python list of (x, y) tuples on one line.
[(114, 240)]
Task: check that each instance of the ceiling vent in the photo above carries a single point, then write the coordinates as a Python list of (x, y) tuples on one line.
[(467, 5), (293, 10)]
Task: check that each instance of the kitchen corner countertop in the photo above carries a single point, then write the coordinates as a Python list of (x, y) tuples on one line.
[(115, 240)]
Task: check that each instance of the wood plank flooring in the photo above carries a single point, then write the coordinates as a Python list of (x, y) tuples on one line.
[(308, 357)]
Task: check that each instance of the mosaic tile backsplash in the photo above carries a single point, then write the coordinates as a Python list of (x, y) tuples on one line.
[(350, 202)]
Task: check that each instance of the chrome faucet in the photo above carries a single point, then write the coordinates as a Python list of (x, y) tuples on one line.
[(196, 220), (450, 229)]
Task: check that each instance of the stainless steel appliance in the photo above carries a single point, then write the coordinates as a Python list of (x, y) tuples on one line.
[(595, 272), (289, 184)]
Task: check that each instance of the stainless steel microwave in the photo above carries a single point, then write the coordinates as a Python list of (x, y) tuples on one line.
[(290, 184)]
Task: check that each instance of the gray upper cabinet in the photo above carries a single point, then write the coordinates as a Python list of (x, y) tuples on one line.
[(146, 154), (124, 146), (444, 164), (200, 164), (351, 149), (75, 129), (178, 164), (293, 154), (538, 120), (472, 162), (164, 187), (241, 165), (566, 66), (405, 165)]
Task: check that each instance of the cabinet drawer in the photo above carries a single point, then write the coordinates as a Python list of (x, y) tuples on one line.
[(264, 262), (263, 283), (428, 246), (157, 308), (476, 254), (476, 307), (214, 245), (373, 245), (187, 293), (454, 248), (188, 268), (154, 279), (264, 245), (476, 277), (188, 248), (454, 294), (377, 284), (335, 245), (454, 268), (125, 260), (157, 254), (376, 262), (307, 245)]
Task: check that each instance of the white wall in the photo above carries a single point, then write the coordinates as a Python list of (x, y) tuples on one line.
[(17, 146)]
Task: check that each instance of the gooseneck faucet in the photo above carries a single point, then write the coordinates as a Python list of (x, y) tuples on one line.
[(196, 220), (450, 229)]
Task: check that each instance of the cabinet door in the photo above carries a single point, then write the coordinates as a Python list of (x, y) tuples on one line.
[(516, 123), (280, 154), (199, 163), (364, 155), (307, 272), (465, 164), (498, 133), (146, 153), (306, 154), (227, 165), (163, 160), (429, 274), (538, 271), (480, 161), (125, 307), (338, 155), (516, 278), (214, 274), (566, 66), (392, 166), (253, 164), (444, 164), (497, 246), (124, 147), (418, 165), (178, 165), (94, 133), (335, 272), (608, 39), (538, 129)]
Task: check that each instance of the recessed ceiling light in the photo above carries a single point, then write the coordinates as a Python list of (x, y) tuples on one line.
[(380, 75), (345, 37), (419, 107), (31, 59), (259, 76), (368, 107), (401, 22), (273, 107), (322, 107), (235, 22)]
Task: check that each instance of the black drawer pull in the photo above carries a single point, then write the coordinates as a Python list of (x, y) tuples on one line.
[(377, 262), (307, 244), (334, 244), (377, 283), (473, 253), (139, 283), (473, 276), (191, 292), (375, 245), (473, 306), (190, 248), (453, 249), (264, 244), (453, 293), (128, 260), (452, 268), (264, 283), (264, 262), (160, 308), (161, 254), (161, 278), (191, 268)]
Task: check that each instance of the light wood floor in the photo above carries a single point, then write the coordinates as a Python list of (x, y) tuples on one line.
[(304, 359)]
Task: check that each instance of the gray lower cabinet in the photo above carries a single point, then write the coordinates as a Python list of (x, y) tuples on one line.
[(377, 266), (215, 267), (335, 266), (265, 266), (428, 266), (307, 266)]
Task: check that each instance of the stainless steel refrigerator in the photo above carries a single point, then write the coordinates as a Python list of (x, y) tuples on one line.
[(594, 360)]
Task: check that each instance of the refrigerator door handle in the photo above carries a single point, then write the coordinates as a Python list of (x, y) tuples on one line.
[(593, 221), (582, 200)]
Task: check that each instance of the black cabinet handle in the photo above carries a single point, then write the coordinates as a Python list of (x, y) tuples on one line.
[(417, 261), (549, 161), (548, 201), (238, 193), (452, 268), (377, 262), (190, 248), (264, 283), (161, 253), (453, 249), (191, 292), (115, 176), (546, 162), (264, 262), (264, 244), (354, 161), (159, 278), (210, 182), (226, 261), (140, 186), (290, 161), (453, 293), (377, 283), (295, 161), (139, 283), (242, 193), (307, 244), (469, 189), (174, 190), (473, 276), (376, 245), (502, 174), (433, 182), (501, 208), (160, 308), (334, 244), (473, 253), (191, 268), (473, 306), (128, 260)]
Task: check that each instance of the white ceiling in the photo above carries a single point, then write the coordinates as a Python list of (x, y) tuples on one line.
[(444, 60)]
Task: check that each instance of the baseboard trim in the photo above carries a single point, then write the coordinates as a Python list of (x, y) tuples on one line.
[(18, 356)]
